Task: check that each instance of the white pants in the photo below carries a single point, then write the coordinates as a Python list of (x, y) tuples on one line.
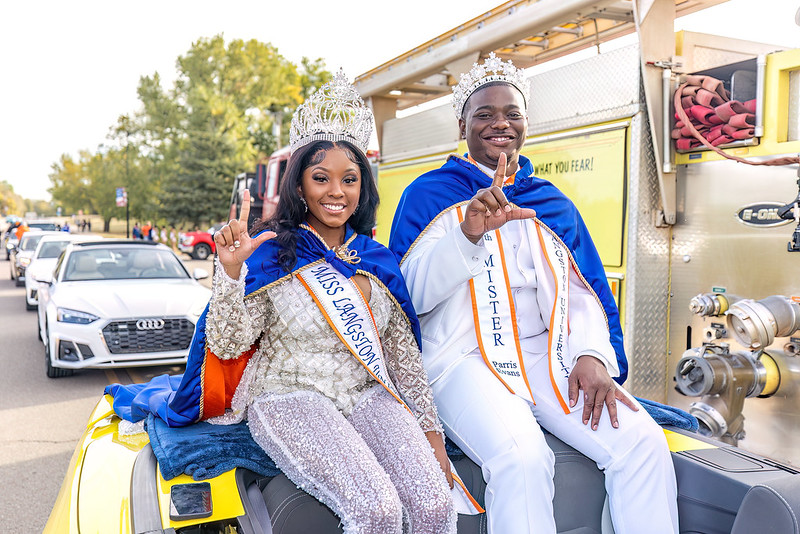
[(500, 432)]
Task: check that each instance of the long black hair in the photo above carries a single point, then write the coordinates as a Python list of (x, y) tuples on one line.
[(291, 211)]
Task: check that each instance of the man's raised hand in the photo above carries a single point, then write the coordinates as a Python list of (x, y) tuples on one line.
[(234, 244), (489, 209)]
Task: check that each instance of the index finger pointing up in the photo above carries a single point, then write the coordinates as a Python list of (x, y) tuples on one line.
[(245, 211), (500, 173)]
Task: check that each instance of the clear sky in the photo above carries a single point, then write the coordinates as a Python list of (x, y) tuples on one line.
[(69, 68)]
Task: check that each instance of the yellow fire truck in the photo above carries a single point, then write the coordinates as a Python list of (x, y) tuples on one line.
[(674, 228)]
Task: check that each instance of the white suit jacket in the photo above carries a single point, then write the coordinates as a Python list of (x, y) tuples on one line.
[(438, 268)]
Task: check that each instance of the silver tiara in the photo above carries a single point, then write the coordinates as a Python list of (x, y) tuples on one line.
[(335, 112), (492, 70)]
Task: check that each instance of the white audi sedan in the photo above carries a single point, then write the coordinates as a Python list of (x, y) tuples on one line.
[(43, 260), (118, 304)]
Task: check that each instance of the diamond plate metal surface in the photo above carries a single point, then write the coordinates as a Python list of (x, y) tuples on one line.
[(794, 106), (646, 279), (430, 131), (600, 88)]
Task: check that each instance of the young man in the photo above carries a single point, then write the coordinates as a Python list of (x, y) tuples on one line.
[(519, 327)]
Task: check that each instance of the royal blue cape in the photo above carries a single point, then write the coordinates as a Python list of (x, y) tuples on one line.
[(458, 180), (181, 400)]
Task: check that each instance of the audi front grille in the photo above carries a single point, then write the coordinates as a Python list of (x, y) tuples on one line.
[(148, 335)]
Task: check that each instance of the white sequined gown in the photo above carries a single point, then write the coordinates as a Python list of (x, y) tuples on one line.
[(328, 425)]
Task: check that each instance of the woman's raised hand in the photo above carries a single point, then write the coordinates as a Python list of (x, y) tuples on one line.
[(234, 244), (489, 209)]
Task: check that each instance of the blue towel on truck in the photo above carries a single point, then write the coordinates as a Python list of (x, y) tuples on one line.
[(203, 450), (669, 415)]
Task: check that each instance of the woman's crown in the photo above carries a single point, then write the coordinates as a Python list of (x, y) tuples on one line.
[(335, 112), (492, 70)]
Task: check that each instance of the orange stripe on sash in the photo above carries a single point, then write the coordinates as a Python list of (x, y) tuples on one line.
[(476, 320), (469, 496), (556, 390), (514, 327)]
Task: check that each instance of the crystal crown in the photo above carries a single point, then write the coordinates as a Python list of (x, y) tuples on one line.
[(492, 70), (335, 112)]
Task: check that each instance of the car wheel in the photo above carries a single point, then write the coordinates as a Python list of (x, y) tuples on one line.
[(52, 372), (201, 251)]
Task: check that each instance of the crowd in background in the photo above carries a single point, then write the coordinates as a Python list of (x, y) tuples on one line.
[(151, 232)]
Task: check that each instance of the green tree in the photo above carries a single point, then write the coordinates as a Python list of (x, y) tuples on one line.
[(10, 202), (70, 185), (227, 91), (178, 154), (313, 75)]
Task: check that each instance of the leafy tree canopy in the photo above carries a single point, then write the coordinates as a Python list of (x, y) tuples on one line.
[(177, 155)]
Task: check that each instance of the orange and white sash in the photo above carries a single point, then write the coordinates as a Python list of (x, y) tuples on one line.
[(346, 310), (557, 260), (496, 319), (349, 315)]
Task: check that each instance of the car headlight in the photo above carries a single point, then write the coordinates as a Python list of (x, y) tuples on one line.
[(24, 262), (65, 315)]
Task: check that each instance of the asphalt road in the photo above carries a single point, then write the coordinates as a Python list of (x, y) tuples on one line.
[(41, 419)]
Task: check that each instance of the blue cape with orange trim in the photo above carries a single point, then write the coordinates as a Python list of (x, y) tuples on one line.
[(457, 181), (206, 387)]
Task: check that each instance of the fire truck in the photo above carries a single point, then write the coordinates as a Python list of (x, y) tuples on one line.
[(702, 252)]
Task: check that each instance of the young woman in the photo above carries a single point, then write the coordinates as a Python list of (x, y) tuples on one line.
[(335, 391)]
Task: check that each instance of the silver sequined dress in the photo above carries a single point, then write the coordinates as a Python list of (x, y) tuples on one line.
[(322, 418)]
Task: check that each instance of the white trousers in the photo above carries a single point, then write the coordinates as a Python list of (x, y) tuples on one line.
[(500, 432)]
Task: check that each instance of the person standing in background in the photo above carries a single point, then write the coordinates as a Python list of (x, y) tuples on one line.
[(146, 231)]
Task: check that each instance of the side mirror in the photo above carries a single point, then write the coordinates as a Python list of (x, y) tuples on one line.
[(44, 279), (199, 274)]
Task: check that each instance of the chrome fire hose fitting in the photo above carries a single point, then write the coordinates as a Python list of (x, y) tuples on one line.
[(709, 304), (756, 324), (723, 380), (712, 370)]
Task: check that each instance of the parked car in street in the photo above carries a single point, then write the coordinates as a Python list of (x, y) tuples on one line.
[(43, 260), (11, 241), (199, 245), (119, 303), (21, 254)]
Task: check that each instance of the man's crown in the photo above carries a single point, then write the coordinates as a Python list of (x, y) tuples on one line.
[(492, 70), (335, 112)]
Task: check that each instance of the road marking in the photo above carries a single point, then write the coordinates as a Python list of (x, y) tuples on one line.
[(113, 378)]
